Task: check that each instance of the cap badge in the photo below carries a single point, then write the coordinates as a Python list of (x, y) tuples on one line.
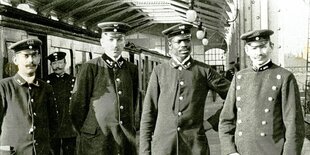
[(30, 47), (182, 27), (30, 42), (182, 32), (115, 30), (256, 38)]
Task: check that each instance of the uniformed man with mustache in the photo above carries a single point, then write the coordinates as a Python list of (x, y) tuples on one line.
[(62, 85), (28, 116), (262, 113)]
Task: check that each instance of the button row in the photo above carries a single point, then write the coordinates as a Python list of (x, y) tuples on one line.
[(261, 134)]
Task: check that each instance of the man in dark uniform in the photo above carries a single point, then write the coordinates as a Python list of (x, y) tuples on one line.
[(62, 85), (105, 98), (262, 113), (173, 110), (27, 111)]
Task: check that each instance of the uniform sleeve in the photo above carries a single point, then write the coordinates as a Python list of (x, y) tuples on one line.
[(52, 112), (149, 114), (227, 125), (220, 85), (292, 117), (81, 96), (2, 107), (136, 102)]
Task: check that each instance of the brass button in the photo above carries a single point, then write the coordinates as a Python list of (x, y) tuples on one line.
[(240, 133), (119, 92), (238, 87), (179, 113), (270, 99), (178, 128), (181, 97), (274, 88), (264, 122), (239, 121), (118, 80), (267, 110), (239, 109), (181, 83), (262, 134), (121, 107), (120, 122), (238, 98)]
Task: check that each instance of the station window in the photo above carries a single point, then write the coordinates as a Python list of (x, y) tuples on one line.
[(216, 58)]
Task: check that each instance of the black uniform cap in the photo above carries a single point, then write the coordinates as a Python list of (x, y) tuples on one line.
[(257, 35), (114, 27), (30, 43), (180, 29), (56, 56)]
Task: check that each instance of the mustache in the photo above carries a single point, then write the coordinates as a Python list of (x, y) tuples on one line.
[(31, 65), (57, 68), (185, 48)]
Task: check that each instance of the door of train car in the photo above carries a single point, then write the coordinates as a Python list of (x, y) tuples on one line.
[(10, 69)]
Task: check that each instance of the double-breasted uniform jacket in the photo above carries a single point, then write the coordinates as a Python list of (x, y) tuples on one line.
[(173, 110), (262, 113), (62, 86), (27, 115), (103, 106)]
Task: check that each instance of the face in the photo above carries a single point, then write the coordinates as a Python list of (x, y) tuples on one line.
[(113, 43), (258, 53), (180, 47), (59, 66), (27, 62)]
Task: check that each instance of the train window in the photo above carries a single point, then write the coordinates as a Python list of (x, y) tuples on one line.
[(80, 58), (95, 55), (9, 68)]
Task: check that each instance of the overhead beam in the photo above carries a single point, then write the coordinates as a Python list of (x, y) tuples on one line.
[(138, 21), (129, 9), (221, 3), (128, 19), (101, 12), (138, 28), (50, 6), (84, 7), (200, 14)]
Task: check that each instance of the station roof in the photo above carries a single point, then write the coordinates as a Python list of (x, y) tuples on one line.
[(141, 14)]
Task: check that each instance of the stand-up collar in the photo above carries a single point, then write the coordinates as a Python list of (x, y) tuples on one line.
[(60, 76), (185, 64), (111, 63), (263, 67), (21, 81)]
